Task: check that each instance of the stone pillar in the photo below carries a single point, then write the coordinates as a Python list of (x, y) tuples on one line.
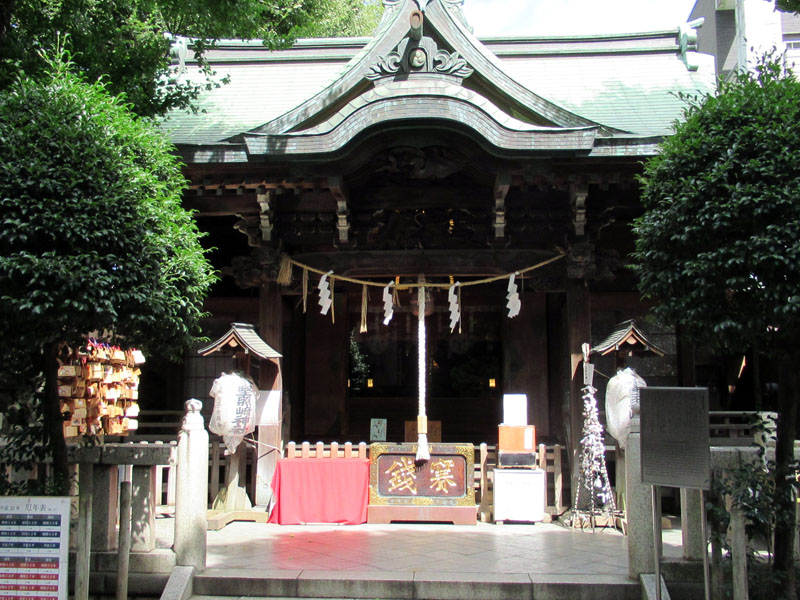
[(105, 485), (691, 524), (143, 523), (191, 505), (125, 526), (639, 507), (86, 504), (269, 418), (738, 541)]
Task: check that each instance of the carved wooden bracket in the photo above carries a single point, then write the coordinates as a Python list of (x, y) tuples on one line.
[(419, 56), (501, 186), (248, 225), (578, 193), (262, 266), (339, 193), (264, 197), (581, 263)]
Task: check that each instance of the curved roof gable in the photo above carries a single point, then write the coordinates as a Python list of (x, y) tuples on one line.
[(425, 65)]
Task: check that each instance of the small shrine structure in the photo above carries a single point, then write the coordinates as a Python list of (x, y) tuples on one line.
[(258, 360)]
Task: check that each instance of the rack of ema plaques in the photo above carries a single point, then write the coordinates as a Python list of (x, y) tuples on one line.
[(519, 485), (438, 490)]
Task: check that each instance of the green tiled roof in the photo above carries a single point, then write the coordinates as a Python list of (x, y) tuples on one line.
[(626, 82), (258, 92), (636, 92)]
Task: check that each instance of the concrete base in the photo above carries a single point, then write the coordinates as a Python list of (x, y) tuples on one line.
[(179, 586), (457, 515), (217, 519)]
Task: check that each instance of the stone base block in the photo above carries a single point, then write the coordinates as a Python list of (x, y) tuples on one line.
[(457, 515), (217, 519)]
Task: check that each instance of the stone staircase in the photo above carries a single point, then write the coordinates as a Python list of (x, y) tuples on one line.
[(247, 584)]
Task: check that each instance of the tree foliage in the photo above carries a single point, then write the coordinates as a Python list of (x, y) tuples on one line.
[(340, 18), (788, 5), (718, 247), (128, 42), (719, 244), (92, 233)]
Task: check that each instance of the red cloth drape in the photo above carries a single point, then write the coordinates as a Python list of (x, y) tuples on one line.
[(319, 490)]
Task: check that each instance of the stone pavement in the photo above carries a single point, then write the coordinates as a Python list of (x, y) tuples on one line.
[(545, 554)]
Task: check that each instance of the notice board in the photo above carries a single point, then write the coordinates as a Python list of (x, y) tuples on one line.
[(34, 547), (674, 437)]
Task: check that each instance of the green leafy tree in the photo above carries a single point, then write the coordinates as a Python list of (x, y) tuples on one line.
[(339, 18), (788, 5), (128, 42), (92, 234), (718, 247)]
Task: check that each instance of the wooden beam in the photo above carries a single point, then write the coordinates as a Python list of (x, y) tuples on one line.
[(264, 197), (578, 193), (465, 263), (221, 206), (411, 197), (339, 192), (501, 187)]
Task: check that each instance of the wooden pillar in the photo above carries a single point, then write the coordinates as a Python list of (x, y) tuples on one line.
[(270, 315), (271, 380), (578, 332), (525, 364)]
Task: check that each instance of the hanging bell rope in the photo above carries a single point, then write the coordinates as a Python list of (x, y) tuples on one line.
[(364, 303), (305, 290), (423, 454)]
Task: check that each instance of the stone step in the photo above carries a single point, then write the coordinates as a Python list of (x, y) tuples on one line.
[(271, 598), (332, 585)]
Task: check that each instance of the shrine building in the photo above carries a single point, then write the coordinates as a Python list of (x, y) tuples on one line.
[(425, 155)]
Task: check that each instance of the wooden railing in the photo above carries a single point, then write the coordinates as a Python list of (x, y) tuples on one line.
[(726, 428), (737, 428), (320, 450)]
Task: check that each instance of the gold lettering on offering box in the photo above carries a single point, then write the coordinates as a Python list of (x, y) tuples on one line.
[(442, 475), (403, 475)]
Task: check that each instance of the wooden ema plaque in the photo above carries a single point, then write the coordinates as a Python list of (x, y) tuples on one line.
[(439, 490)]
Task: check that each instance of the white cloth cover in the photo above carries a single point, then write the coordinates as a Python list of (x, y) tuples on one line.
[(234, 413), (622, 396)]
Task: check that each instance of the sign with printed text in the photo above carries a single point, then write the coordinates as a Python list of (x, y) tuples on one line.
[(34, 547), (674, 437), (377, 430)]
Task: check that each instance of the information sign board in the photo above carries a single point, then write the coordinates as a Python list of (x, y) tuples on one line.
[(674, 437), (34, 547)]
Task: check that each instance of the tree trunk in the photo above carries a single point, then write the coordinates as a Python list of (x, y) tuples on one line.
[(53, 423), (784, 480)]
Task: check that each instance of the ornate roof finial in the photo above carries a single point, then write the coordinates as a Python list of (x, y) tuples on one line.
[(687, 40)]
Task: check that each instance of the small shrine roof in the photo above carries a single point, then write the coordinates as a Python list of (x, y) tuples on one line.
[(242, 335), (627, 334)]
